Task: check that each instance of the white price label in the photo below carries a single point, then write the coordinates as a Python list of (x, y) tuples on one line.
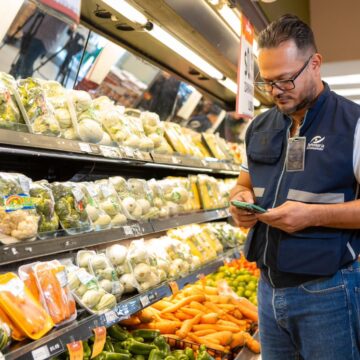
[(129, 152), (92, 190), (85, 147), (175, 160), (25, 184), (128, 230), (84, 276), (204, 162), (78, 195), (41, 353), (144, 299), (108, 151), (62, 278), (105, 189), (15, 286), (111, 317)]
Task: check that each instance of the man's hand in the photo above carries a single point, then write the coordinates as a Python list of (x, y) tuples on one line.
[(243, 218), (290, 217)]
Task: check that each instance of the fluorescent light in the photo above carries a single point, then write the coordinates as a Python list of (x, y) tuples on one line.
[(125, 9), (181, 49), (343, 79), (256, 102), (347, 92), (229, 84), (231, 18), (256, 48)]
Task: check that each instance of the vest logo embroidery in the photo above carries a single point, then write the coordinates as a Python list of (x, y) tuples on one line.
[(316, 143)]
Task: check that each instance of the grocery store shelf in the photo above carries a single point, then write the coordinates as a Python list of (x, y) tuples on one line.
[(29, 250), (55, 342), (25, 144)]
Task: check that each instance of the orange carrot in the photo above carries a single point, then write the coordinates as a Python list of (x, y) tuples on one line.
[(161, 305), (183, 302), (252, 344), (190, 311), (198, 306), (187, 326), (210, 318), (180, 315), (224, 337), (206, 342), (237, 340), (204, 332)]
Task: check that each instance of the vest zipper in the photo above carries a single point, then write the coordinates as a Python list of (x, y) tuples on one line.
[(276, 195)]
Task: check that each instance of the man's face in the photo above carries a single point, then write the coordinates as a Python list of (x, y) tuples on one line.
[(283, 63)]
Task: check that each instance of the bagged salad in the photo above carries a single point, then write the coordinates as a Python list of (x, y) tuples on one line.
[(10, 115), (69, 207), (35, 108), (57, 96), (44, 202)]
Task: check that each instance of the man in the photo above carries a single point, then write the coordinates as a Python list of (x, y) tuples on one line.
[(303, 164)]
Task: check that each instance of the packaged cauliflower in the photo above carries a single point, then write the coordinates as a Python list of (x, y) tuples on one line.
[(10, 115), (69, 207), (36, 108), (18, 218), (158, 198), (44, 202)]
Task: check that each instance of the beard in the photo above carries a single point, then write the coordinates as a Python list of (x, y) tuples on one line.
[(304, 103)]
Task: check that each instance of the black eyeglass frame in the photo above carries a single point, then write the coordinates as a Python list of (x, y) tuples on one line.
[(261, 84)]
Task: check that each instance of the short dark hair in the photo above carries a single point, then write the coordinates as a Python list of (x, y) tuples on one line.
[(287, 27)]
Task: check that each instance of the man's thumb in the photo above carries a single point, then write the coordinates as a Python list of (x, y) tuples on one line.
[(248, 197)]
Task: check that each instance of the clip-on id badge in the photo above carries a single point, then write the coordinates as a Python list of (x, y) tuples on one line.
[(295, 154)]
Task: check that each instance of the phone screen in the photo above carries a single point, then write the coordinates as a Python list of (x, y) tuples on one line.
[(248, 207)]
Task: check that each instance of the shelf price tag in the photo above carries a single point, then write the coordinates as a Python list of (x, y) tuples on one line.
[(99, 341), (111, 317), (85, 147), (41, 353), (174, 287), (145, 301), (76, 350), (128, 230), (109, 152), (175, 160)]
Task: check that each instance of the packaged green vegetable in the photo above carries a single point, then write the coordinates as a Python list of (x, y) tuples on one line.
[(69, 207), (36, 109)]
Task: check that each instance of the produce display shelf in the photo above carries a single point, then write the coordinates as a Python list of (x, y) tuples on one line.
[(20, 143), (13, 253), (55, 342)]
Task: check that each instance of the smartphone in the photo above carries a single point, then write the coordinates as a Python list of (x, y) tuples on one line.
[(248, 207)]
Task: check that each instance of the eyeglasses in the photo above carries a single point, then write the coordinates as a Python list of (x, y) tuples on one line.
[(283, 85)]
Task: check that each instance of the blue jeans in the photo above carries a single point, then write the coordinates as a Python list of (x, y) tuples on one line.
[(318, 320)]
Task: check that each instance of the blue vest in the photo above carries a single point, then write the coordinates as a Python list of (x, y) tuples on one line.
[(328, 178)]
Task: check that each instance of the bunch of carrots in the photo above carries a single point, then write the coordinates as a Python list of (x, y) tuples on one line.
[(242, 263), (200, 315)]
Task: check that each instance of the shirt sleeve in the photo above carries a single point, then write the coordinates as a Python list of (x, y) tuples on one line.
[(244, 160), (356, 155)]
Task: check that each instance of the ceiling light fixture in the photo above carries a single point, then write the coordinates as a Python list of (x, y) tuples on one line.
[(342, 79), (122, 7), (231, 18), (229, 84), (348, 92), (125, 9)]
